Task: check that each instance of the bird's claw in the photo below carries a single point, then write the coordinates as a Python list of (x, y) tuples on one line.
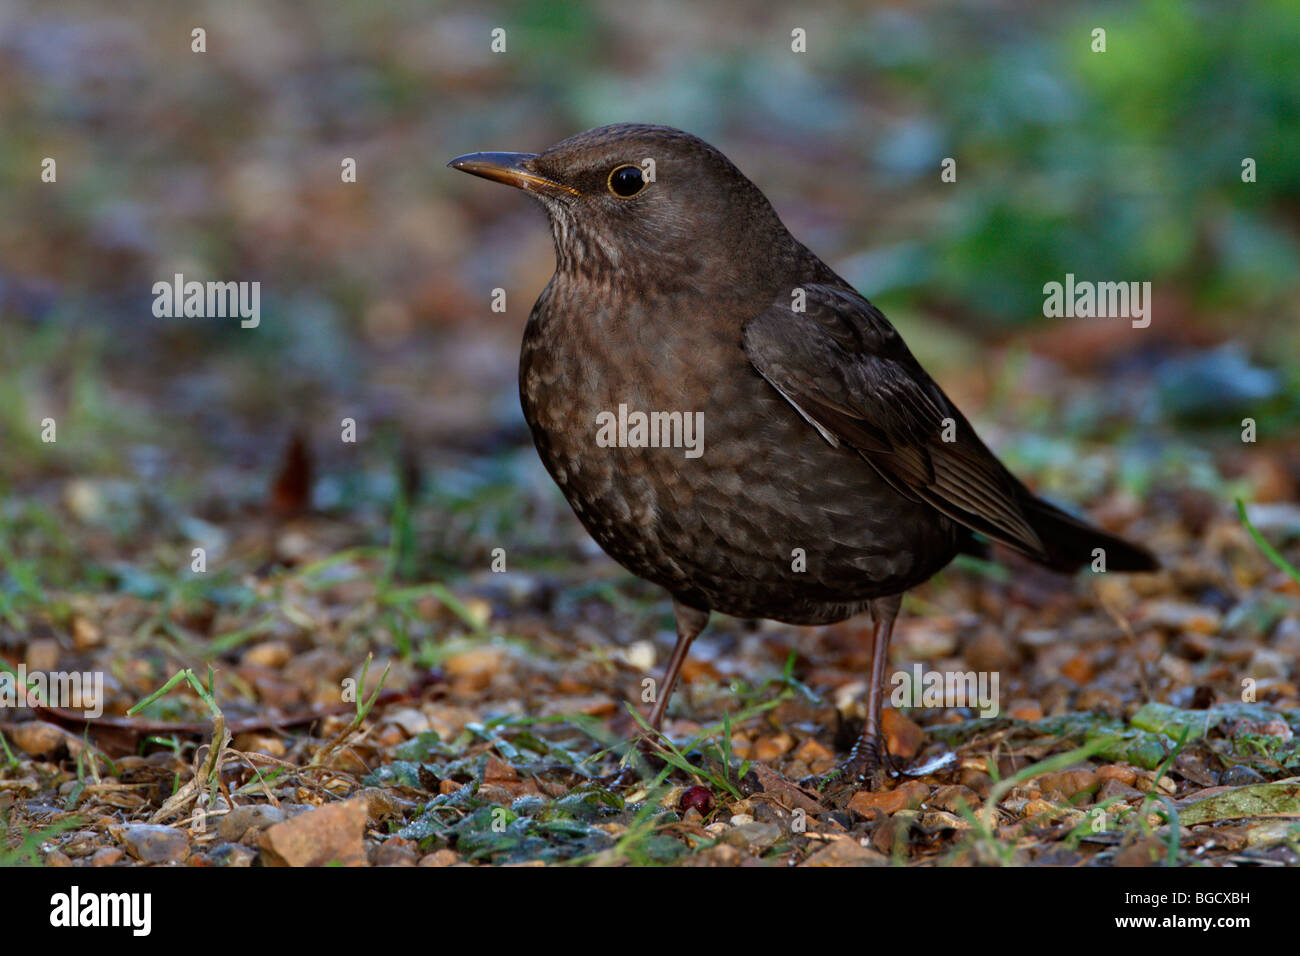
[(640, 760), (865, 769)]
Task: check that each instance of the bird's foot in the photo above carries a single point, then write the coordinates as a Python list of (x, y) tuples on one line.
[(648, 747), (865, 769), (848, 778), (641, 760)]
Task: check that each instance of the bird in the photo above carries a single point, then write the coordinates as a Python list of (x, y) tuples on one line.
[(827, 473)]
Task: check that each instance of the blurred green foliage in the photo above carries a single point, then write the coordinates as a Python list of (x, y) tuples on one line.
[(1123, 165)]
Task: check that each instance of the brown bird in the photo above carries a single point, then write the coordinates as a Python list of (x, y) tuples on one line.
[(803, 467)]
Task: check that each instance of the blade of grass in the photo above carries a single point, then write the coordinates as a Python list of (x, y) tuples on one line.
[(1270, 552)]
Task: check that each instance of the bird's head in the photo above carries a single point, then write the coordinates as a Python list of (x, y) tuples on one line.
[(636, 200)]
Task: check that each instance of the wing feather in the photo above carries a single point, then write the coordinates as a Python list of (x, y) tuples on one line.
[(846, 370)]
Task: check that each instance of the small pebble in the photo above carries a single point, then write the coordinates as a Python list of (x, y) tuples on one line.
[(440, 858), (231, 855), (909, 796), (150, 843), (1240, 776), (769, 748), (240, 820), (106, 856)]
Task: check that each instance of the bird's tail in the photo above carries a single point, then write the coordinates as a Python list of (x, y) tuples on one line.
[(1072, 544)]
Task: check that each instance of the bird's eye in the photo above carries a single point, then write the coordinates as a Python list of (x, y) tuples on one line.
[(626, 181)]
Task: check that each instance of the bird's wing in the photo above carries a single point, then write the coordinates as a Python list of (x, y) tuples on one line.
[(847, 371)]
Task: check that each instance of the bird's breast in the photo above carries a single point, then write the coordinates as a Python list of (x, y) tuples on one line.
[(690, 470)]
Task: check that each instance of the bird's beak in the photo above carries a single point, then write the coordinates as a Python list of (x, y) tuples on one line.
[(513, 169)]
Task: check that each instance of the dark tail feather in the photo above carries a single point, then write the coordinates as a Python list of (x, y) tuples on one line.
[(1070, 543)]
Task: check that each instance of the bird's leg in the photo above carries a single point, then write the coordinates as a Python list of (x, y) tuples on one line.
[(863, 768), (690, 622)]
